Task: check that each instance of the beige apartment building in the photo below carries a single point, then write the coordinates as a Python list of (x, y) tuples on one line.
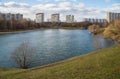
[(55, 18), (112, 17), (39, 17), (69, 18)]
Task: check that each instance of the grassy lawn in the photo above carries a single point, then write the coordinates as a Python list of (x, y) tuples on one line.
[(102, 64)]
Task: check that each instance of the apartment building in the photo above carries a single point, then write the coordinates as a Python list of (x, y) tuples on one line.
[(9, 16), (1, 16), (92, 20), (17, 16), (55, 18), (69, 18), (39, 17), (112, 17)]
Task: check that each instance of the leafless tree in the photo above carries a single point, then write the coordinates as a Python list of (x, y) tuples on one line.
[(24, 54)]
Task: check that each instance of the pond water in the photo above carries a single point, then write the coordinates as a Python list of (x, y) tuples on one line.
[(51, 45)]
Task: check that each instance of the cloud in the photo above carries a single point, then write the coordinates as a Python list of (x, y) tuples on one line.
[(14, 4), (107, 0), (60, 0), (115, 7), (45, 1), (65, 0), (80, 10)]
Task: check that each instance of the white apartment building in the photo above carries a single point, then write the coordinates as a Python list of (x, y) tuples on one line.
[(55, 18), (69, 18), (39, 17)]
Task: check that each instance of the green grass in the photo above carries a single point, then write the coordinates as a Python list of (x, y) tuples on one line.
[(102, 64)]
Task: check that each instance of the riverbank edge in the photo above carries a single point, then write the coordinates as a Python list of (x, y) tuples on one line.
[(24, 31), (20, 31)]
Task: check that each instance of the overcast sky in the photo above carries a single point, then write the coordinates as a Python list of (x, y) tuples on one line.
[(80, 8)]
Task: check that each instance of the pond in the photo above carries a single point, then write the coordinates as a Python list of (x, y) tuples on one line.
[(51, 45)]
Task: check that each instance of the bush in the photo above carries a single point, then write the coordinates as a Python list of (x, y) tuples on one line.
[(23, 55)]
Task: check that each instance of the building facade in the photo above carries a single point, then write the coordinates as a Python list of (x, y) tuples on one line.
[(17, 16), (1, 16), (55, 18), (112, 17), (9, 16), (69, 18), (92, 20), (39, 17)]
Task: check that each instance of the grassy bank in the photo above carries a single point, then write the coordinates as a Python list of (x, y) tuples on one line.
[(102, 64)]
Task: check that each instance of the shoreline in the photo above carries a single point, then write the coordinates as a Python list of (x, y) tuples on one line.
[(23, 31), (13, 32), (19, 31)]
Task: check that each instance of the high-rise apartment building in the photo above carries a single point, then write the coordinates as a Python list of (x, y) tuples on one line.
[(70, 18), (39, 17), (112, 16), (55, 18)]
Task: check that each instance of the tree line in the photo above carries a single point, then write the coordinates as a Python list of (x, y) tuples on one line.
[(27, 24), (16, 25)]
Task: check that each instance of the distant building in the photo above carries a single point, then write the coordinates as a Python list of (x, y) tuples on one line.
[(39, 17), (112, 16), (16, 16), (9, 16), (55, 18), (48, 20), (92, 20), (70, 18), (2, 16)]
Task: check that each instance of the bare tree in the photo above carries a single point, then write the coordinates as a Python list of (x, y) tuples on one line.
[(23, 55)]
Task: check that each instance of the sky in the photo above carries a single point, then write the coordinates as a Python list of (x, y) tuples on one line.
[(79, 8)]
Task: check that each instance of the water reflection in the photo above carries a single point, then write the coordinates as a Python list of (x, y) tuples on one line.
[(99, 42)]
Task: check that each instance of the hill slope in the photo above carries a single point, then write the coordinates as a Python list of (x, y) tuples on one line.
[(103, 64)]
